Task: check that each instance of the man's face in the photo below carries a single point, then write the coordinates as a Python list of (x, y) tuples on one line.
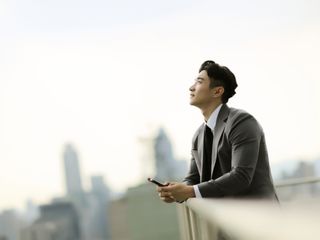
[(201, 95)]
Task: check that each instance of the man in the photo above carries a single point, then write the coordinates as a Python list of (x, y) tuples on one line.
[(229, 154)]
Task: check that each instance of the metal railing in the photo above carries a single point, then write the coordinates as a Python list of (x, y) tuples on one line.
[(204, 219)]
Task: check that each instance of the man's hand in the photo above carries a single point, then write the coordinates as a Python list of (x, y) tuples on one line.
[(165, 196), (176, 192)]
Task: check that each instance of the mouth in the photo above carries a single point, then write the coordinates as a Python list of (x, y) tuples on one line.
[(191, 95)]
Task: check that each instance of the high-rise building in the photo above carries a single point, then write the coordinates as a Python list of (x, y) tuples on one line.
[(167, 167), (99, 200), (118, 215), (141, 215), (10, 225), (74, 190), (57, 221), (164, 156), (31, 211), (72, 171), (91, 206)]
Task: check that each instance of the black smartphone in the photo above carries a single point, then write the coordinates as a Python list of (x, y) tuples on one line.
[(157, 183)]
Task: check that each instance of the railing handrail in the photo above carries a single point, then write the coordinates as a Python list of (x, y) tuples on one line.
[(246, 220), (296, 181)]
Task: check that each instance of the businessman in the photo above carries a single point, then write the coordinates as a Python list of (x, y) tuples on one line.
[(229, 156)]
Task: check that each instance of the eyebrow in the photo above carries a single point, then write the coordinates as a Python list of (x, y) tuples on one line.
[(199, 78)]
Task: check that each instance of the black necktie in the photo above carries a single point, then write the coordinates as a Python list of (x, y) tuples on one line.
[(207, 154)]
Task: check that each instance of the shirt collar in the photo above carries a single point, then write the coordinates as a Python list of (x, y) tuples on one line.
[(211, 123)]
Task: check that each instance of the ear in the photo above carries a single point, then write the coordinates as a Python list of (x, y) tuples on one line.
[(218, 91)]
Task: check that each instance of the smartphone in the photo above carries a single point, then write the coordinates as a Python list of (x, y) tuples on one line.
[(157, 183)]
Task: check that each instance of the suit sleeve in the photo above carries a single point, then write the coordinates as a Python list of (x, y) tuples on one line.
[(244, 139), (193, 176)]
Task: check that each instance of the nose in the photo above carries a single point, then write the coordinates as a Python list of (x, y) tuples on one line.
[(191, 88)]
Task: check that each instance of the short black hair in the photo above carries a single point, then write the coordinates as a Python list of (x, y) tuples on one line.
[(220, 76)]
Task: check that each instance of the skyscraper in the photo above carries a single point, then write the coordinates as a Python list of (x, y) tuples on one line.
[(167, 166), (99, 208), (165, 162), (72, 171)]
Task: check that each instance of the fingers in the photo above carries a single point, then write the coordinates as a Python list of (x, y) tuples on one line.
[(165, 194), (168, 199), (163, 189)]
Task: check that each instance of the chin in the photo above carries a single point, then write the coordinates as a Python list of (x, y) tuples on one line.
[(193, 103)]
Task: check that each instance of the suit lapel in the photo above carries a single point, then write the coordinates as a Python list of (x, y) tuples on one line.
[(218, 130), (200, 147)]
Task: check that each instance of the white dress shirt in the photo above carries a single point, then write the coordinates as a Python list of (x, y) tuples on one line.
[(211, 123)]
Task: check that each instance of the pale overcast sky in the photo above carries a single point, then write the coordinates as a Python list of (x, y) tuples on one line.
[(87, 72)]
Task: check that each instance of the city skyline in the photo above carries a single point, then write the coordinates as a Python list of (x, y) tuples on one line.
[(79, 72)]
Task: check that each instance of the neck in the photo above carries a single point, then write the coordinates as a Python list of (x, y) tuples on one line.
[(208, 110)]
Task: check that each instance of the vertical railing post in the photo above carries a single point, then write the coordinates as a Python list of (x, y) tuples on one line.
[(184, 222), (193, 226)]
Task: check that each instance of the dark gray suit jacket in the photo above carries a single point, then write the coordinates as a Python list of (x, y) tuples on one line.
[(239, 146)]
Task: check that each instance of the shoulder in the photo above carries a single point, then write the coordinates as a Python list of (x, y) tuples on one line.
[(241, 118), (236, 115)]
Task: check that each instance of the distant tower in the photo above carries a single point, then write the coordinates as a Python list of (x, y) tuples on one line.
[(99, 188), (167, 166), (99, 221), (72, 171), (75, 193), (165, 162)]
